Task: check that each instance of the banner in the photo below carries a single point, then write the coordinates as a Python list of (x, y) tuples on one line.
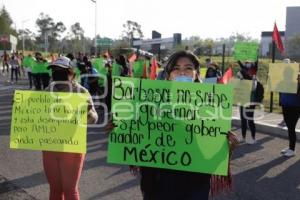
[(47, 121), (246, 51), (282, 77), (172, 125), (241, 91)]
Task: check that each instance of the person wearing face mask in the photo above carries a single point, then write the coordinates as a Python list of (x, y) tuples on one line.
[(249, 67), (63, 169), (248, 72), (40, 72), (213, 71), (167, 184), (14, 67)]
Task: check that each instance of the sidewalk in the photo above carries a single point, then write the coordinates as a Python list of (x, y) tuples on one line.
[(6, 83), (265, 122)]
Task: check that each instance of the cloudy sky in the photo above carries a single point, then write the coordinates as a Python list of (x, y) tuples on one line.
[(213, 18)]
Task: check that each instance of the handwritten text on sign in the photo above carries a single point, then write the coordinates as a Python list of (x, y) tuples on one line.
[(246, 51), (49, 121), (171, 125)]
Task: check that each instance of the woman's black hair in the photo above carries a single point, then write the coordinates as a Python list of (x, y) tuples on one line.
[(121, 60), (70, 56), (181, 54)]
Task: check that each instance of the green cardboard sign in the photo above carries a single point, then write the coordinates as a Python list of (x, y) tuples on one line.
[(138, 68), (246, 51), (172, 125), (47, 121)]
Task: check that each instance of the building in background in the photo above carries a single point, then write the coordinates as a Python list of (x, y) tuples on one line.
[(8, 43), (292, 32), (266, 43), (157, 45), (292, 27)]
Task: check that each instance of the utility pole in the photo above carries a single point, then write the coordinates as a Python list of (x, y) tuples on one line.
[(23, 39), (95, 2)]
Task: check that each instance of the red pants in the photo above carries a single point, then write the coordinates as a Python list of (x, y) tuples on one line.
[(63, 171)]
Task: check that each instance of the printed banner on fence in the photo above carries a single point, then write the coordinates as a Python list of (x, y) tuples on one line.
[(172, 125), (282, 77), (50, 121), (246, 51)]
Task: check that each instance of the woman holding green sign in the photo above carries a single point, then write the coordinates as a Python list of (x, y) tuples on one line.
[(62, 169), (167, 184)]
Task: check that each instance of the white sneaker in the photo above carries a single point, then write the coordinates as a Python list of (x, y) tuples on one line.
[(283, 151), (252, 141), (289, 153)]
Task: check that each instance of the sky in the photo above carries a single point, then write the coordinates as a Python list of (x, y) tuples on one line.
[(207, 19)]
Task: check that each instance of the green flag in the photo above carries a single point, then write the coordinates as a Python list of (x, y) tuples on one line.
[(138, 69)]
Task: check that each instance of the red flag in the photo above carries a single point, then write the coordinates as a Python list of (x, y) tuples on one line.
[(277, 39), (154, 67), (226, 77), (132, 58)]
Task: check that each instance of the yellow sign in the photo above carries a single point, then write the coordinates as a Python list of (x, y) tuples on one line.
[(50, 121), (241, 91), (283, 77)]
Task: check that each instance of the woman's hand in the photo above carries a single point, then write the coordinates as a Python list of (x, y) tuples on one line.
[(232, 140)]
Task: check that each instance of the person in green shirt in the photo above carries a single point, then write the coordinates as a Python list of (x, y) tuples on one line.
[(28, 63), (40, 72)]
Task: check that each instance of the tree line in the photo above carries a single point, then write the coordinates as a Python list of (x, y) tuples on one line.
[(55, 37)]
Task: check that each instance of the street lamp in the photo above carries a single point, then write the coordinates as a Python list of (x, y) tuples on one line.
[(23, 40), (95, 1)]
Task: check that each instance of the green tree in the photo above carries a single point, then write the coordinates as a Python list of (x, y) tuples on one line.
[(49, 31), (29, 39), (132, 30), (242, 37), (77, 30), (6, 22), (77, 37)]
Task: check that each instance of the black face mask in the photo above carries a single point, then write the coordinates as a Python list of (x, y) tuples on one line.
[(60, 75)]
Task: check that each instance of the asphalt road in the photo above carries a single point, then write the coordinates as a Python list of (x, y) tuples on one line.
[(260, 173)]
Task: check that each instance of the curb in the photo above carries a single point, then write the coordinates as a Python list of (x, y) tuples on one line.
[(267, 128)]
